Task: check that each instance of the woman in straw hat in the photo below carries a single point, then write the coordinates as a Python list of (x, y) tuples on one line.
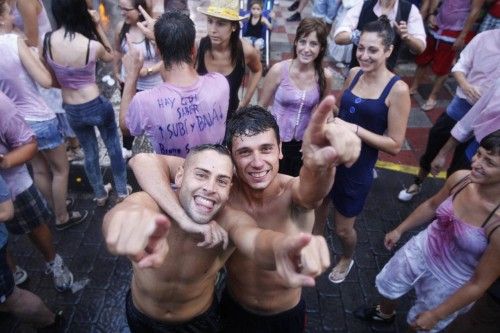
[(224, 52)]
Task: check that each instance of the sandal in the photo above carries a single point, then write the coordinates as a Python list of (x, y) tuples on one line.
[(75, 217), (429, 105), (100, 202), (337, 276)]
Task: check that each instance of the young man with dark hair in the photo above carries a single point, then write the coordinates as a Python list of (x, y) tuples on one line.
[(257, 300), (174, 279), (185, 110)]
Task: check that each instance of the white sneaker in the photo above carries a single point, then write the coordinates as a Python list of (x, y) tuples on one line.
[(63, 278), (408, 193), (126, 153)]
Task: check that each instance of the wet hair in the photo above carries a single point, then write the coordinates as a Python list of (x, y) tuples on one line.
[(126, 27), (74, 17), (234, 43), (249, 121), (218, 148), (306, 27), (491, 143), (384, 30), (175, 35)]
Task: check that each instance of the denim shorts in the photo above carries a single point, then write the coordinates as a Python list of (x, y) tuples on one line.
[(458, 108), (326, 9), (6, 278), (64, 126), (48, 135)]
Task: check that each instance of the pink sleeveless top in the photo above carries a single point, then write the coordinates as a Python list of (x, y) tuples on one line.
[(454, 247), (18, 85), (293, 107)]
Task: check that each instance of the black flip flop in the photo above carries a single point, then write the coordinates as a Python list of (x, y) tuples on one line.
[(73, 220)]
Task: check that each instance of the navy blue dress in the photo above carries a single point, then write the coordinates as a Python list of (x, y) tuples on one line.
[(353, 184)]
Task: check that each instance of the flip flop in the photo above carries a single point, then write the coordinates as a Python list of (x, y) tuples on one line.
[(338, 277), (429, 105)]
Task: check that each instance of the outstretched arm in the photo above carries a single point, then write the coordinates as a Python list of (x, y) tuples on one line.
[(298, 259), (157, 181), (325, 145), (425, 212), (136, 228)]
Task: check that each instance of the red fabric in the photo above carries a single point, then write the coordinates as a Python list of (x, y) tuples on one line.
[(495, 9), (440, 53)]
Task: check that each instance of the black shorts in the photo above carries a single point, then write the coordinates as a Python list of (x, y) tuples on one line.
[(6, 278), (237, 319), (207, 322)]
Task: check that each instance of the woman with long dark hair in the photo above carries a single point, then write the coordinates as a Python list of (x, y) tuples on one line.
[(223, 51), (72, 51), (375, 105), (298, 85)]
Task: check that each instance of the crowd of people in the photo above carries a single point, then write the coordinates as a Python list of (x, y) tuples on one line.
[(244, 190)]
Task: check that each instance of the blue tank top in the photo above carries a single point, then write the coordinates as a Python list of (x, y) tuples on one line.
[(370, 114)]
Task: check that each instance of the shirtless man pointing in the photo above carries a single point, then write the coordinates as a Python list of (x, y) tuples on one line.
[(257, 300), (172, 288)]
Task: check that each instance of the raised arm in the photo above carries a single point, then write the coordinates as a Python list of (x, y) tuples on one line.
[(252, 60), (325, 145), (423, 213), (136, 228), (157, 181), (133, 61), (29, 10), (487, 271)]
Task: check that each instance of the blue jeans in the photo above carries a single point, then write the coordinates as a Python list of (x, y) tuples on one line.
[(326, 10), (82, 118)]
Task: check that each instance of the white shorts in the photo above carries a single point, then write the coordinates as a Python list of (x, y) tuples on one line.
[(408, 269)]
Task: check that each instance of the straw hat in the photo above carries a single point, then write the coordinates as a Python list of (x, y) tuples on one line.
[(224, 9)]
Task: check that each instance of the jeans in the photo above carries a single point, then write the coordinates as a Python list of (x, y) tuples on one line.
[(82, 118)]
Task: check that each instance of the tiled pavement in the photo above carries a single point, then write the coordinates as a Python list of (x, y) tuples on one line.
[(99, 307)]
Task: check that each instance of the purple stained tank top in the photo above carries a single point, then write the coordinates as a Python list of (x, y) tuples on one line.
[(74, 77), (293, 107), (454, 247)]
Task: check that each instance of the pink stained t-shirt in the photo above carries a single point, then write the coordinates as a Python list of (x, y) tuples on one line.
[(14, 132), (18, 85), (479, 61), (177, 118), (482, 119)]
